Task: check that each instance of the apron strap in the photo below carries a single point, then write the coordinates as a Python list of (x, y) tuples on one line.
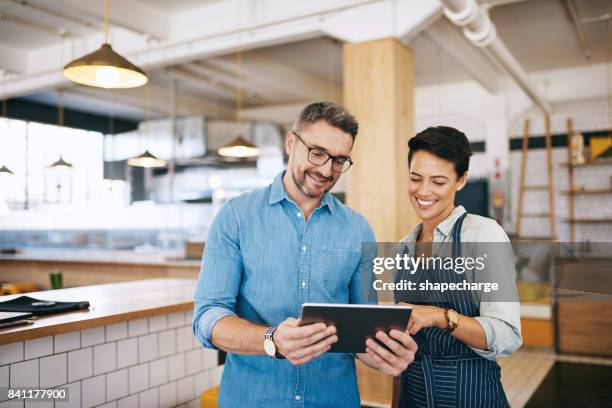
[(457, 235)]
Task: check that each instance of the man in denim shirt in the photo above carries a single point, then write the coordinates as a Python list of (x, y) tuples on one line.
[(270, 251)]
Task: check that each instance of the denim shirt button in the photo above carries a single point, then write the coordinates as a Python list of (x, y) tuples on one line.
[(304, 248), (303, 284), (297, 398)]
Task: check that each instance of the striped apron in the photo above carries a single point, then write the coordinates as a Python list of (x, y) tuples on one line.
[(446, 372)]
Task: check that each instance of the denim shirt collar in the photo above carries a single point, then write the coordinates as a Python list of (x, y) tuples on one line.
[(278, 193)]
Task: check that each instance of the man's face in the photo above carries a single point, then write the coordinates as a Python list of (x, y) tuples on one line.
[(312, 180)]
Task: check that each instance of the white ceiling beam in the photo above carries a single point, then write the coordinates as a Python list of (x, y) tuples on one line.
[(13, 60), (280, 76), (471, 59), (131, 15), (183, 74), (157, 101), (277, 113), (381, 19)]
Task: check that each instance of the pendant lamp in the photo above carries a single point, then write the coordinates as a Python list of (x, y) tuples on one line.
[(239, 147), (105, 68), (147, 159), (61, 164)]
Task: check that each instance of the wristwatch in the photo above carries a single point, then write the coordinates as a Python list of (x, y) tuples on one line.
[(452, 320), (269, 346)]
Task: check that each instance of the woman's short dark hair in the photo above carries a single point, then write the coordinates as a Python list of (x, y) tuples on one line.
[(445, 142)]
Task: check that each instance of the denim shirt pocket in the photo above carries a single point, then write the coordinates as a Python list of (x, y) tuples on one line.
[(338, 268)]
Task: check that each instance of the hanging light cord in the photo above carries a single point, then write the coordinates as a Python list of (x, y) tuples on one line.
[(106, 21), (239, 87)]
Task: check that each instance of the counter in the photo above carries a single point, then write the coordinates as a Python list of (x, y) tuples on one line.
[(134, 347), (92, 267)]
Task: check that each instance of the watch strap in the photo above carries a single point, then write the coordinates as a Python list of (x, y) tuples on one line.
[(269, 335), (450, 326)]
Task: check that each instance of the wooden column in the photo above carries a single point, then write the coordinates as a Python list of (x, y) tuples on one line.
[(379, 91)]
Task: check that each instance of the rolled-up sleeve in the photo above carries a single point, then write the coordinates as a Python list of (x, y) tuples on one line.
[(499, 314), (220, 275)]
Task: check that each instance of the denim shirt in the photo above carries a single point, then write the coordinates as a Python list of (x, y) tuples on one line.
[(262, 262)]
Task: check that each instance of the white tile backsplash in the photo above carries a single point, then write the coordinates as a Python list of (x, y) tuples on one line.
[(93, 391), (91, 337), (106, 368), (210, 358), (176, 366), (24, 374), (127, 352), (158, 372), (11, 353), (158, 323), (4, 376), (176, 319), (116, 331), (38, 347), (147, 348), (167, 343), (194, 361), (74, 396), (67, 341), (138, 327), (53, 370), (149, 398), (139, 378), (80, 364), (185, 390), (105, 358), (117, 384), (167, 395), (128, 402), (184, 337)]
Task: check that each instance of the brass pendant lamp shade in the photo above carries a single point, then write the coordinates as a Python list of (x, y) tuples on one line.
[(61, 164), (147, 159), (105, 68), (240, 148)]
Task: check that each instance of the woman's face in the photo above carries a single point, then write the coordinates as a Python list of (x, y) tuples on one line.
[(432, 185)]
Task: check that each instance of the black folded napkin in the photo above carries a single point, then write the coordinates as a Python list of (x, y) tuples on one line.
[(40, 307)]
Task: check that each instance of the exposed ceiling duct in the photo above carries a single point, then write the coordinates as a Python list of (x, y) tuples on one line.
[(480, 30)]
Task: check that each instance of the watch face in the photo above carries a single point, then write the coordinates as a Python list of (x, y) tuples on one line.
[(453, 317), (269, 347)]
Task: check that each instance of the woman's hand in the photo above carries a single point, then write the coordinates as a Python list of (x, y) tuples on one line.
[(425, 316)]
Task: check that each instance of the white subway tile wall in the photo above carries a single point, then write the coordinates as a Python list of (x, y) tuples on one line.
[(159, 365)]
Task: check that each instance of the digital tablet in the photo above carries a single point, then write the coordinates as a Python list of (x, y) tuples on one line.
[(356, 323)]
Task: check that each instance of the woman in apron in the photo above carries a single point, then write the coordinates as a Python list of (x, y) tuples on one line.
[(459, 336)]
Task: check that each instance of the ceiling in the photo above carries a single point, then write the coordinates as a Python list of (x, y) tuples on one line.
[(539, 33)]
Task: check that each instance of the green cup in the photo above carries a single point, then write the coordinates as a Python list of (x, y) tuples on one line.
[(56, 278)]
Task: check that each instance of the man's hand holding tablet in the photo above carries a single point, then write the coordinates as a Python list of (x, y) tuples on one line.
[(377, 333)]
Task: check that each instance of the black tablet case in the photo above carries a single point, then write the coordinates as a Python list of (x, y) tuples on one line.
[(355, 324)]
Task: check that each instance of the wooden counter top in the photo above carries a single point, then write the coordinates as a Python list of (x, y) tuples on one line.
[(121, 257), (110, 303)]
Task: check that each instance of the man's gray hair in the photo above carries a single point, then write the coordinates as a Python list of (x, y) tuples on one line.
[(334, 114)]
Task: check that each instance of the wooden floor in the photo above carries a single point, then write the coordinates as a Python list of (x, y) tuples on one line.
[(523, 372)]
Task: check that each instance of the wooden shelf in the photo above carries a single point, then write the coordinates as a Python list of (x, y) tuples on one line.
[(536, 215), (588, 164), (536, 187), (596, 191), (587, 220)]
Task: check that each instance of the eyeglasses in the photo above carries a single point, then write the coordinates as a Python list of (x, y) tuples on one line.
[(319, 157)]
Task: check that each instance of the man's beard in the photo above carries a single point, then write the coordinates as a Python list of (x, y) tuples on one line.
[(300, 182)]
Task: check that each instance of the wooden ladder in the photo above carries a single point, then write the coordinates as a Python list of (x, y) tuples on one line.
[(548, 187)]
